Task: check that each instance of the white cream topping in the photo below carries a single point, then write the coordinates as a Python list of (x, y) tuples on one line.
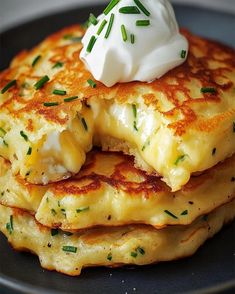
[(157, 48)]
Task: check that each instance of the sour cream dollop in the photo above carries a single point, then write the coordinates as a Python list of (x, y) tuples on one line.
[(140, 46)]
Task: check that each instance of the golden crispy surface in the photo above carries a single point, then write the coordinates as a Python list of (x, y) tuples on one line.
[(137, 245), (110, 191), (182, 118)]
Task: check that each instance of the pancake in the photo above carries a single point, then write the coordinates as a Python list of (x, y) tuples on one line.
[(110, 191), (173, 126), (136, 245)]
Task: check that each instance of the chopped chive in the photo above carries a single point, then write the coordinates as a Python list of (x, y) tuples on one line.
[(24, 136), (134, 254), (135, 126), (111, 5), (2, 132), (41, 82), (69, 99), (59, 92), (145, 145), (72, 38), (5, 143), (63, 211), (91, 44), (93, 19), (49, 104), (170, 214), (109, 256), (8, 86), (185, 212), (58, 65), (58, 203), (183, 54), (54, 232), (71, 249), (213, 151), (132, 39), (142, 8), (233, 127), (68, 233), (129, 10), (140, 250), (142, 23), (83, 209), (84, 123), (124, 34), (111, 20), (36, 59), (134, 110), (102, 25), (208, 90), (67, 36), (9, 226), (180, 158), (91, 83), (53, 212), (29, 152)]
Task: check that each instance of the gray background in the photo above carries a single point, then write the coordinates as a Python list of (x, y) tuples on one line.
[(13, 12)]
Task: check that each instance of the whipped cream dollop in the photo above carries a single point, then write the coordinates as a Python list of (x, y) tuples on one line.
[(133, 40)]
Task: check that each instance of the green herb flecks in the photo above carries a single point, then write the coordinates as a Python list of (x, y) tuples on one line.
[(23, 135), (5, 143), (29, 152), (83, 209), (134, 109), (142, 7), (63, 211), (109, 256), (146, 145), (53, 212), (213, 152), (93, 20), (54, 232), (102, 25), (91, 83), (2, 133), (41, 82), (180, 159), (50, 104), (132, 39), (129, 10), (110, 7), (72, 38), (9, 226), (70, 249), (140, 250), (36, 59), (185, 212), (134, 254), (69, 99), (170, 214), (59, 92), (8, 86), (124, 33), (210, 90), (58, 65), (142, 23), (111, 21), (91, 44), (183, 54)]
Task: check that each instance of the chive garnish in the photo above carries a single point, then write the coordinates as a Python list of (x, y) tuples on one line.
[(208, 90), (132, 38), (53, 212), (111, 20), (183, 54), (103, 24), (91, 83), (213, 151), (93, 19), (109, 256), (142, 23), (24, 136), (2, 132), (8, 86), (9, 226), (111, 5), (68, 233), (142, 8), (180, 158), (54, 232), (49, 104), (185, 212), (36, 59), (72, 38), (5, 143), (84, 123), (134, 254), (91, 44), (134, 110), (58, 65), (71, 249), (124, 34), (170, 214), (69, 99), (41, 82), (140, 250), (29, 152), (59, 92), (63, 211), (83, 209), (129, 10)]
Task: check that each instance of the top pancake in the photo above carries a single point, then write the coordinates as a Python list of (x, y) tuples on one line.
[(164, 124)]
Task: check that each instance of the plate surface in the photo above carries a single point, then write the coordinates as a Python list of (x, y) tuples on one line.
[(212, 268)]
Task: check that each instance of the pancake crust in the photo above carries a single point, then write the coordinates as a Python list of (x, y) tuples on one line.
[(119, 246), (164, 124), (110, 191)]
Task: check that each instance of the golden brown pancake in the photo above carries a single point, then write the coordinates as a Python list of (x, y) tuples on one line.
[(110, 191), (173, 126)]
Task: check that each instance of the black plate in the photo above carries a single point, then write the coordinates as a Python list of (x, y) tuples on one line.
[(211, 269)]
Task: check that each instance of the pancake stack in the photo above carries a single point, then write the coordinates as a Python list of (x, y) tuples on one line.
[(134, 174)]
